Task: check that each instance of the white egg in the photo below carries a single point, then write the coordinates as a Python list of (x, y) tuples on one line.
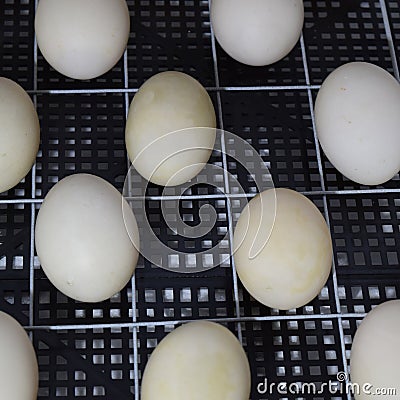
[(19, 134), (19, 374), (375, 352), (82, 39), (358, 122), (199, 360), (161, 139), (283, 249), (83, 238), (257, 32)]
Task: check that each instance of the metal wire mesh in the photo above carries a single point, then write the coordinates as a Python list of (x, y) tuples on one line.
[(100, 350)]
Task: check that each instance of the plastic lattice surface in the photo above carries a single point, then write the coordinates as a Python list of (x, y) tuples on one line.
[(100, 350)]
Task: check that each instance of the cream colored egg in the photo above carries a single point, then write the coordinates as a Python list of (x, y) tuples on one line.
[(19, 375), (161, 136), (199, 360), (257, 32), (293, 255), (375, 353), (19, 134), (82, 39), (82, 241), (358, 122)]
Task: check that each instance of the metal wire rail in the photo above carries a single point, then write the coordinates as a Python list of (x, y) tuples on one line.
[(133, 333)]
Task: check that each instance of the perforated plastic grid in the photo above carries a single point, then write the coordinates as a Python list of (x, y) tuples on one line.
[(100, 350)]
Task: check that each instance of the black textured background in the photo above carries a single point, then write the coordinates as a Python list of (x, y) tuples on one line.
[(100, 350)]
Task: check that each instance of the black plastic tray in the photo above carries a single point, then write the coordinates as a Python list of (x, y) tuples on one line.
[(100, 350)]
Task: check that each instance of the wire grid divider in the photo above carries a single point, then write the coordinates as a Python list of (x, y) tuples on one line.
[(238, 320), (321, 174), (226, 179)]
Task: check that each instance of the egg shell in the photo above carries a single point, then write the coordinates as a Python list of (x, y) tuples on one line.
[(294, 255), (375, 352), (358, 122), (199, 360), (257, 32), (19, 373), (19, 134), (161, 136), (82, 39), (83, 239)]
